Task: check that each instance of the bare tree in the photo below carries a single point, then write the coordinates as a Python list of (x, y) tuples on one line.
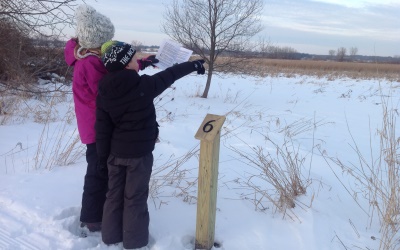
[(353, 52), (137, 45), (263, 46), (214, 28), (332, 53), (277, 52), (38, 17), (341, 53)]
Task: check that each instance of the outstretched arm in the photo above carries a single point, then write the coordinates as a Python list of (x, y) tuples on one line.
[(162, 80)]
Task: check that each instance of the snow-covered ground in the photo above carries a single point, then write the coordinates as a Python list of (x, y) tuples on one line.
[(40, 192)]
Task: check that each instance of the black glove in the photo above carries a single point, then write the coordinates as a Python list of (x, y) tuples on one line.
[(147, 61), (198, 66)]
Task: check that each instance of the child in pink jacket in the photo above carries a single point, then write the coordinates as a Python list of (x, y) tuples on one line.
[(93, 29)]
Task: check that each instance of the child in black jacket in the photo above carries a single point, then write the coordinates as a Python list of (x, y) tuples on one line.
[(126, 132)]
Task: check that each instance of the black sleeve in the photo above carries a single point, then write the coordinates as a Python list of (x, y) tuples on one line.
[(162, 80), (104, 128)]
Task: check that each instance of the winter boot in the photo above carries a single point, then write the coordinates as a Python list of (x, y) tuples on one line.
[(89, 228)]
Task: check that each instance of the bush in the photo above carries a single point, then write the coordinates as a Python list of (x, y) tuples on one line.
[(13, 46), (25, 59)]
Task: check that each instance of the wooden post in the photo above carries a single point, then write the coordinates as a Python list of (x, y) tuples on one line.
[(209, 134)]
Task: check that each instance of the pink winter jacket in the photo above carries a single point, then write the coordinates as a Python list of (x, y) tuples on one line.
[(87, 73)]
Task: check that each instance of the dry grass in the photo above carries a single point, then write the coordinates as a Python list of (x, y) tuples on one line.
[(171, 174), (279, 179), (57, 144), (379, 178), (330, 69)]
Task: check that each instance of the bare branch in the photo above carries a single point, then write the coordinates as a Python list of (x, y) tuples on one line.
[(44, 17)]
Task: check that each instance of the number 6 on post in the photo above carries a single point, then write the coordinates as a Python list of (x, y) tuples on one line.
[(210, 127)]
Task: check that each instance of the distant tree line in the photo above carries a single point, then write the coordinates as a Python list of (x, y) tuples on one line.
[(138, 45), (276, 52), (341, 54)]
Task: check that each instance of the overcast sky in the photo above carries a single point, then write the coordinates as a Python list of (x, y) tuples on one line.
[(309, 26)]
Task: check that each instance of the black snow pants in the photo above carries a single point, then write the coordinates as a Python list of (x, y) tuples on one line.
[(94, 188), (126, 216)]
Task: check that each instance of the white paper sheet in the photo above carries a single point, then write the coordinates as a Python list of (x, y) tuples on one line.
[(171, 53)]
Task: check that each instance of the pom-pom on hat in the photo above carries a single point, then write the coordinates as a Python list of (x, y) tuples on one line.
[(116, 55), (92, 28)]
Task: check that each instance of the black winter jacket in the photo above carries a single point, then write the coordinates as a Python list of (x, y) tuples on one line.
[(126, 123)]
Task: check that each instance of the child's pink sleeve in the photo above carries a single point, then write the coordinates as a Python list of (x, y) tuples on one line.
[(69, 52)]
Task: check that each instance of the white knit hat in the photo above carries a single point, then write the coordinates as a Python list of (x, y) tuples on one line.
[(92, 28)]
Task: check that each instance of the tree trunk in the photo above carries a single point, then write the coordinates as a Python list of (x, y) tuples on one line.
[(207, 88)]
